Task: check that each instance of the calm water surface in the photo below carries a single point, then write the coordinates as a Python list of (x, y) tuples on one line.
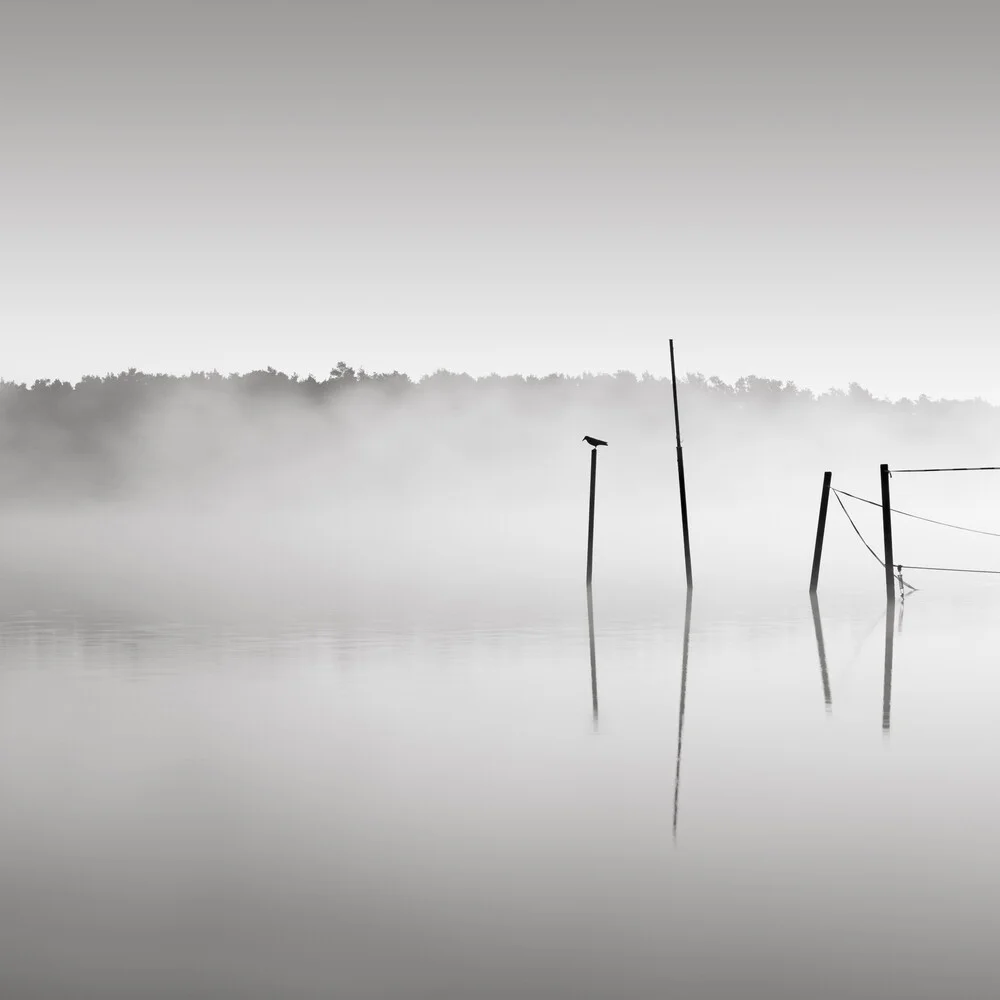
[(406, 811)]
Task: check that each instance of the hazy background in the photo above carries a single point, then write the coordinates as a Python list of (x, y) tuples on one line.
[(372, 497), (295, 688), (804, 191)]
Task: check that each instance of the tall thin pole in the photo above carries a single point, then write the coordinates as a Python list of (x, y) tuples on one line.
[(590, 526), (824, 502), (890, 593), (680, 473)]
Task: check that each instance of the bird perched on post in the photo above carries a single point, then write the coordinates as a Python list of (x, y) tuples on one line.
[(594, 442)]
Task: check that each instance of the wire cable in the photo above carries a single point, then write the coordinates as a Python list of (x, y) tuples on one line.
[(899, 569), (961, 468), (929, 520), (856, 529), (952, 569)]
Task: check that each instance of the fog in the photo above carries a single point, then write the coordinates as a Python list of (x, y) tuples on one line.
[(375, 497), (299, 697)]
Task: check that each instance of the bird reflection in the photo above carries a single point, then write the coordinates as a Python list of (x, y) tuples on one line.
[(680, 716), (821, 649), (593, 656)]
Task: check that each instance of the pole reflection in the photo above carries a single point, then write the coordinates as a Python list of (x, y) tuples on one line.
[(683, 702), (890, 622), (593, 657), (821, 649)]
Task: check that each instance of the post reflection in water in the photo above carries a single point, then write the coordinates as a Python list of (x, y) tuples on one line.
[(821, 649), (890, 622), (593, 656), (683, 700)]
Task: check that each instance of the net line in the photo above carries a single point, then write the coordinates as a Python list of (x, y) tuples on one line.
[(901, 566), (952, 569), (857, 531), (959, 468), (929, 520)]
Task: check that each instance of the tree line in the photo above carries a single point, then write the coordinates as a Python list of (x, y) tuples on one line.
[(74, 439)]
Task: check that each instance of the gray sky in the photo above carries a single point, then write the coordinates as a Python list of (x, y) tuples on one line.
[(796, 190)]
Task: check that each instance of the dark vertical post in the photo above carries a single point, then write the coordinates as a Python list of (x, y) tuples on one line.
[(680, 473), (824, 501), (890, 593), (590, 526)]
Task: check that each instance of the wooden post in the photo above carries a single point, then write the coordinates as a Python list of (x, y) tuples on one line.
[(590, 526), (824, 501), (890, 593), (680, 473)]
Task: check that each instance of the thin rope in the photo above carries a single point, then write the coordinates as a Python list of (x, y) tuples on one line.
[(856, 530), (929, 520), (899, 569), (961, 468), (952, 569)]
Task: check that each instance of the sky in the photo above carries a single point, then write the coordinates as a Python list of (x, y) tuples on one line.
[(804, 191)]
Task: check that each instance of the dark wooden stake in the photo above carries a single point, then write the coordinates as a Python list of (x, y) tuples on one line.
[(890, 592), (824, 502), (680, 473), (590, 526)]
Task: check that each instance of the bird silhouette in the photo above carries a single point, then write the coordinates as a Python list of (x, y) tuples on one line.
[(594, 441)]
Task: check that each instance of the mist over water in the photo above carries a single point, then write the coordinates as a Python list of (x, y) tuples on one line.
[(266, 496), (298, 699)]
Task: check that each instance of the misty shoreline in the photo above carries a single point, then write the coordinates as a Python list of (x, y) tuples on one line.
[(266, 491)]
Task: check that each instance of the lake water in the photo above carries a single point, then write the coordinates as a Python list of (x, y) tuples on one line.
[(411, 809)]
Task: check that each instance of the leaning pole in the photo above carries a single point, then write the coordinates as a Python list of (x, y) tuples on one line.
[(824, 502), (890, 591), (680, 474)]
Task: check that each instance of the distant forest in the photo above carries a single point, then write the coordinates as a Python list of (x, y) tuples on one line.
[(59, 438), (114, 396)]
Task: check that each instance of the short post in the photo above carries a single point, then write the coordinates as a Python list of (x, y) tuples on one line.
[(680, 473), (824, 501), (890, 593), (590, 526)]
